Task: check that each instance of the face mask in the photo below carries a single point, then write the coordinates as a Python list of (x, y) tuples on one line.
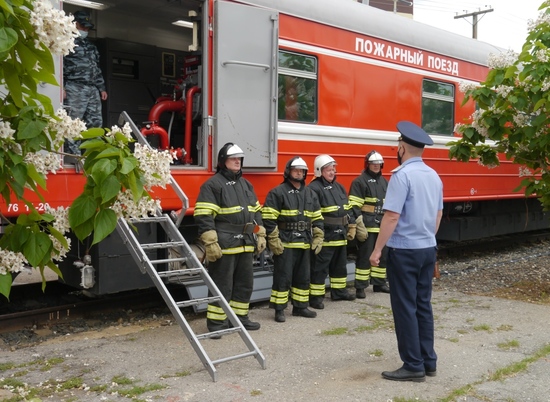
[(399, 157), (83, 34)]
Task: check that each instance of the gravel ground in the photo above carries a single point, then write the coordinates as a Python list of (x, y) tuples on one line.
[(481, 330), (520, 272)]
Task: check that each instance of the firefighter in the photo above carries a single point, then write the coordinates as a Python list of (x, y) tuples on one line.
[(294, 226), (366, 196), (339, 227), (228, 215)]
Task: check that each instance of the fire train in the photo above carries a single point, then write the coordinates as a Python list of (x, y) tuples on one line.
[(284, 78)]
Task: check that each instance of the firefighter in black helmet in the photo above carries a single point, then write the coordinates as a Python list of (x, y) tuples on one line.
[(293, 221), (229, 219), (367, 195)]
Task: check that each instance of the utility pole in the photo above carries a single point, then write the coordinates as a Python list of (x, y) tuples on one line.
[(474, 23)]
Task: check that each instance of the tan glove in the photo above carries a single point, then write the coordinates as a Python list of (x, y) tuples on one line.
[(260, 240), (352, 229), (211, 246), (275, 244), (361, 231), (317, 242)]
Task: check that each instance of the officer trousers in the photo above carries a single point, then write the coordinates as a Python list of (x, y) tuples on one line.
[(330, 261), (410, 274), (233, 275), (364, 273), (290, 279)]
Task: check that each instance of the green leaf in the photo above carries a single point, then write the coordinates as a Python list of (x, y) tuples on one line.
[(128, 164), (81, 210), (109, 189), (55, 269), (28, 129), (105, 224), (84, 230), (5, 285), (37, 247), (8, 38), (93, 132), (35, 176), (11, 78), (102, 169)]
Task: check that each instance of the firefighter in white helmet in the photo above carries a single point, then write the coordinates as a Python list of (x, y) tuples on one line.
[(367, 195), (339, 227), (294, 226), (229, 221)]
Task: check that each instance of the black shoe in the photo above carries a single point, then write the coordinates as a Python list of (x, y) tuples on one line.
[(404, 375), (216, 336), (249, 325), (280, 316), (431, 372), (381, 288), (318, 305), (303, 312), (360, 293), (346, 296)]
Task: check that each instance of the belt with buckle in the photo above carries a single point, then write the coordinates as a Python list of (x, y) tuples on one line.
[(300, 226), (342, 221), (247, 228)]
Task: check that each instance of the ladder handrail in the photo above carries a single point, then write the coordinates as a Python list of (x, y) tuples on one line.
[(179, 215)]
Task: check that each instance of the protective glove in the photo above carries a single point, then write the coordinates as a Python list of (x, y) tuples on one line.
[(211, 246), (361, 231), (275, 244), (352, 229), (260, 240), (317, 242)]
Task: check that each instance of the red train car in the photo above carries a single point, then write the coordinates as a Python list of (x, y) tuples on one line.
[(284, 78)]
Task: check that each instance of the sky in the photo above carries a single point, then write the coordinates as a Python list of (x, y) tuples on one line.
[(505, 27)]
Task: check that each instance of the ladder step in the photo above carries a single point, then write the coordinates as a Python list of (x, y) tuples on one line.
[(168, 260), (180, 272), (195, 302), (149, 219), (151, 246), (229, 358), (227, 331)]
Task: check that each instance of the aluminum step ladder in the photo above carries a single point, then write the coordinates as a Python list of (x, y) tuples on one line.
[(176, 242)]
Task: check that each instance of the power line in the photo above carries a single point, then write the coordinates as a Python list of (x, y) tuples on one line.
[(474, 19)]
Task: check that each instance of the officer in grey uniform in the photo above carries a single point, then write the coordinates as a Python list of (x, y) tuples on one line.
[(413, 207), (83, 83)]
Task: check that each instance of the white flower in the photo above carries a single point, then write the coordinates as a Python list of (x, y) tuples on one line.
[(61, 215), (11, 261), (53, 27), (154, 164), (6, 131), (502, 60), (125, 207), (44, 162)]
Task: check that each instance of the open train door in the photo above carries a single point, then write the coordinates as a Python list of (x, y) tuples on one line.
[(245, 81)]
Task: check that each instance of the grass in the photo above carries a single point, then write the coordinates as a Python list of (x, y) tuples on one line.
[(508, 345), (335, 331), (482, 327)]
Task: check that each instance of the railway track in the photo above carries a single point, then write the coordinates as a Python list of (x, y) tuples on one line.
[(29, 307)]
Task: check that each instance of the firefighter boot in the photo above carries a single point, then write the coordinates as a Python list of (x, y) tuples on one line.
[(249, 325), (280, 316), (341, 294), (316, 303), (360, 293), (303, 312), (381, 288), (216, 325)]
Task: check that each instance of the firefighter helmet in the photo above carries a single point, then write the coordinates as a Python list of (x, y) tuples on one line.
[(295, 163), (320, 162), (375, 158), (229, 150)]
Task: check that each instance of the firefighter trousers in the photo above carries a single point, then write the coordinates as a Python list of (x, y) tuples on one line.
[(233, 274), (364, 272), (330, 261), (291, 279)]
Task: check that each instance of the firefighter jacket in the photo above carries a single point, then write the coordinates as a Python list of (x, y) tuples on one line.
[(82, 66), (295, 212), (228, 204), (366, 195), (335, 208)]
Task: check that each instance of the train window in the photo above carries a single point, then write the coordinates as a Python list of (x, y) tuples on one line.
[(297, 90), (438, 100)]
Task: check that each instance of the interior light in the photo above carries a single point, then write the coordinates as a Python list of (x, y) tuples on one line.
[(182, 23), (88, 4)]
